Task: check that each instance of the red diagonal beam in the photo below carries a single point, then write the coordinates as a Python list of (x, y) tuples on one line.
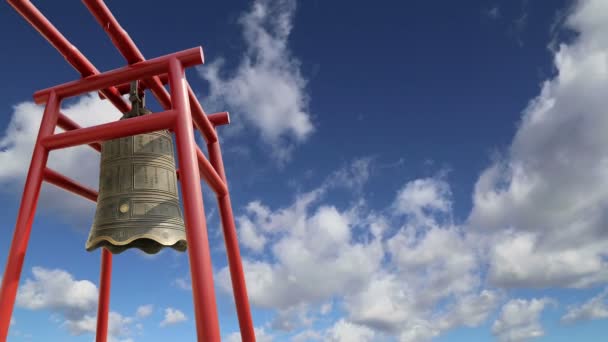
[(68, 184), (129, 50), (69, 51), (68, 125)]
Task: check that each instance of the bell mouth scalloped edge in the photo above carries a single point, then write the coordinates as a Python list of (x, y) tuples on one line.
[(147, 243)]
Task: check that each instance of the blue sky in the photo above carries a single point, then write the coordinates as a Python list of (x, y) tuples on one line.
[(408, 171)]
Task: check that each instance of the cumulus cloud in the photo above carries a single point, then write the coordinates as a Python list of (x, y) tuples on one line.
[(412, 273), (261, 335), (80, 163), (519, 320), (594, 308), (545, 203), (57, 290), (343, 331), (173, 316), (144, 311), (267, 89), (75, 301)]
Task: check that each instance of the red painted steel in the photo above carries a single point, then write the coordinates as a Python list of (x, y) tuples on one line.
[(126, 46), (68, 124), (125, 88), (237, 276), (208, 173), (69, 51), (190, 57), (205, 310), (103, 306), (219, 119), (129, 50), (111, 130), (182, 109), (53, 177), (23, 227)]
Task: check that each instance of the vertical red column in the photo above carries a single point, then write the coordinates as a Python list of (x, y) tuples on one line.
[(201, 270), (103, 307), (237, 275), (27, 209)]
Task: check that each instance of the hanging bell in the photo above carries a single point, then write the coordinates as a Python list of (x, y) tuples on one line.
[(138, 205)]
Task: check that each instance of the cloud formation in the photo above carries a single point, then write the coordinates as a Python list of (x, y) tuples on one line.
[(267, 89), (544, 204), (75, 301), (173, 316), (594, 308), (519, 320), (407, 271)]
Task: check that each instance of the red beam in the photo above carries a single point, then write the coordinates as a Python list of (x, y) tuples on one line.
[(200, 118), (118, 129), (129, 50), (68, 184), (219, 119), (76, 59), (125, 88), (126, 46), (199, 255), (68, 125), (103, 307), (159, 65), (210, 175)]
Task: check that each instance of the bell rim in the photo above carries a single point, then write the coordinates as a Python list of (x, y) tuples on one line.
[(92, 244)]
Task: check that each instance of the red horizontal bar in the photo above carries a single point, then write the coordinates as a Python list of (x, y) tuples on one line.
[(68, 125), (125, 88), (209, 174), (129, 50), (68, 184), (159, 65), (30, 13), (118, 129), (219, 119)]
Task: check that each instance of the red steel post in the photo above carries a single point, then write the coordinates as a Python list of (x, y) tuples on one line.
[(201, 270), (25, 218), (103, 306), (239, 287)]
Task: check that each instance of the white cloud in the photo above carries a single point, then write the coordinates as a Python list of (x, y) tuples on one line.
[(594, 308), (144, 311), (173, 316), (407, 275), (119, 326), (57, 290), (74, 302), (550, 192), (344, 331), (80, 163), (183, 283), (519, 320), (260, 335), (12, 322), (421, 197), (267, 90)]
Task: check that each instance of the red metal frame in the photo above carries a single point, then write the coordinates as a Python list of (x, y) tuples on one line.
[(182, 114)]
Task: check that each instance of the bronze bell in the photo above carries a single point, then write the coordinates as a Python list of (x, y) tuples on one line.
[(138, 205)]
